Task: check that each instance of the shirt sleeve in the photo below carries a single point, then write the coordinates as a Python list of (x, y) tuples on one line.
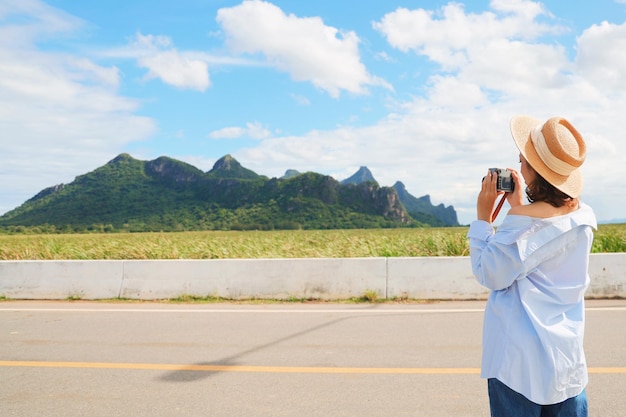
[(495, 263)]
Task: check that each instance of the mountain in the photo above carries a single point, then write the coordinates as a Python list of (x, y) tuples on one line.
[(613, 221), (165, 168), (127, 194), (422, 210), (228, 167), (290, 173), (361, 176), (117, 193)]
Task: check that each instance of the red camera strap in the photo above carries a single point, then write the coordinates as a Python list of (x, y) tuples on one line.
[(498, 207)]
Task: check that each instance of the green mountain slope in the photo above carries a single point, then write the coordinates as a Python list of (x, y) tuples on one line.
[(166, 194), (421, 209)]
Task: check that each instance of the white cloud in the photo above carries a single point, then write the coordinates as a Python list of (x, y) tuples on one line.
[(598, 57), (447, 36), (46, 21), (95, 73), (163, 61), (301, 100), (492, 66), (252, 130), (383, 56), (306, 48), (232, 132), (60, 115), (188, 69), (450, 92)]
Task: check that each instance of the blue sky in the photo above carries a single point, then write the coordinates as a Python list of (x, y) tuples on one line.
[(418, 91)]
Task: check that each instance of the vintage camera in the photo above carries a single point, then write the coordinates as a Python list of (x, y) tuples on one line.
[(505, 180)]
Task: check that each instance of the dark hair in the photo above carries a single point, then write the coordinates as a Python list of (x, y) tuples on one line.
[(542, 190)]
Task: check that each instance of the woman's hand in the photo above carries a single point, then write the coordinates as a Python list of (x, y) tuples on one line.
[(487, 197), (516, 198)]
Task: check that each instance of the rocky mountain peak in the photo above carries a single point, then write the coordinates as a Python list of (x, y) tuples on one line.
[(173, 169), (226, 163), (290, 173), (362, 175), (229, 167)]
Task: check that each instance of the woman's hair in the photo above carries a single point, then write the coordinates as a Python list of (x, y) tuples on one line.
[(542, 190)]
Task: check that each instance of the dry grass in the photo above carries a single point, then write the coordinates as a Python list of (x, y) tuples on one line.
[(257, 244), (250, 244)]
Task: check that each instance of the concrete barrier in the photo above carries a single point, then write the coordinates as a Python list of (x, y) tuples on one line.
[(327, 279), (608, 275), (255, 278), (61, 279), (438, 278)]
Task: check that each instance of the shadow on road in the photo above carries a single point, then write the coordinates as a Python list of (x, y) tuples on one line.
[(192, 374)]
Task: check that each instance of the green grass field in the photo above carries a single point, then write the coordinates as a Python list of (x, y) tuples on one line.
[(262, 244)]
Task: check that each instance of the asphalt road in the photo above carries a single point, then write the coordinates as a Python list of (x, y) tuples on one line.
[(147, 359)]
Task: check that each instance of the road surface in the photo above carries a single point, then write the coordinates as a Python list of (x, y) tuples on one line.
[(330, 360)]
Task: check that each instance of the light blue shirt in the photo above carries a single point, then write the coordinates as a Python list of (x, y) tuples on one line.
[(537, 271)]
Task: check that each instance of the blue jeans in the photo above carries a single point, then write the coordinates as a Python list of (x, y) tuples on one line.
[(504, 402)]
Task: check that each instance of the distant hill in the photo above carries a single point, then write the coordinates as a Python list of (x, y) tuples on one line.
[(613, 221), (228, 167), (290, 173), (361, 176), (167, 194), (422, 210)]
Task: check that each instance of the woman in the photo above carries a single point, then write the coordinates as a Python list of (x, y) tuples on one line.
[(536, 266)]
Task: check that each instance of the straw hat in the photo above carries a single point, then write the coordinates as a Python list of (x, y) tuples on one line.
[(554, 149)]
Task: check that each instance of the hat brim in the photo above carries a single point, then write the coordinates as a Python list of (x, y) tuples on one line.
[(521, 126)]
